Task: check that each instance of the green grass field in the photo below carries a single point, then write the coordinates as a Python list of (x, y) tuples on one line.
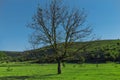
[(109, 71)]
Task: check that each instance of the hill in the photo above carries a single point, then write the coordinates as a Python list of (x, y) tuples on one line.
[(102, 51)]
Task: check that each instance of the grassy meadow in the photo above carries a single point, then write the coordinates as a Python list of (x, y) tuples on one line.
[(26, 71)]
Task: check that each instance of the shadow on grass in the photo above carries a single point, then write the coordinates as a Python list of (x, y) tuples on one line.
[(27, 77), (47, 76), (15, 77)]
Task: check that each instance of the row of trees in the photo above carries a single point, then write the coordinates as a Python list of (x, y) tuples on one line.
[(100, 55), (4, 58), (45, 55)]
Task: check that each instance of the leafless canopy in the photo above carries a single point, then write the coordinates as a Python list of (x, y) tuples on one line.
[(56, 24)]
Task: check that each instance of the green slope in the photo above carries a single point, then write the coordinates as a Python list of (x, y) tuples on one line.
[(109, 49)]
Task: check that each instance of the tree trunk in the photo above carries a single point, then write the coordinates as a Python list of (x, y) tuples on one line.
[(59, 66)]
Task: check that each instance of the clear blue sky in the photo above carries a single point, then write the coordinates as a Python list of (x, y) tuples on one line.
[(104, 15)]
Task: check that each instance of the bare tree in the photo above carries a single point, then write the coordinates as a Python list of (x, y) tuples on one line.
[(57, 24)]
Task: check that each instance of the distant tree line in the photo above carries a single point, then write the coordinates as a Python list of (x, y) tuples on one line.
[(98, 54)]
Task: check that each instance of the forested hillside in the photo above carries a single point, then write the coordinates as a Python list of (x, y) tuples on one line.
[(100, 51)]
